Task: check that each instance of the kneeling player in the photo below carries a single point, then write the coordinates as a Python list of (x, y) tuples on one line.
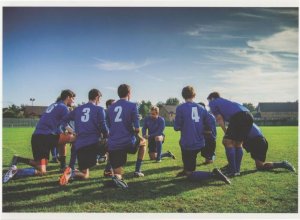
[(190, 120), (257, 145), (123, 115), (43, 139), (155, 125), (89, 125)]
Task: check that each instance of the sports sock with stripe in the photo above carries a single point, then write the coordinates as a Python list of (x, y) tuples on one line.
[(238, 158), (25, 172), (230, 154)]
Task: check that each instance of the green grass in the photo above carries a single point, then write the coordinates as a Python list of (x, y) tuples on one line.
[(159, 191)]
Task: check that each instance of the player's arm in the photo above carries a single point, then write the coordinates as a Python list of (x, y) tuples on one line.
[(178, 123), (135, 118), (144, 129), (221, 122), (102, 123), (160, 129), (66, 120)]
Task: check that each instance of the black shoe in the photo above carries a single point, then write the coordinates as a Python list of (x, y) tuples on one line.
[(171, 155), (288, 166), (220, 176), (225, 169), (14, 160)]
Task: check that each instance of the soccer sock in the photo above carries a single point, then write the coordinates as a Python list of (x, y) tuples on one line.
[(158, 148), (278, 164), (25, 172), (108, 166), (165, 155), (238, 158), (138, 165), (62, 160), (230, 154), (200, 175), (53, 152), (23, 160), (72, 159)]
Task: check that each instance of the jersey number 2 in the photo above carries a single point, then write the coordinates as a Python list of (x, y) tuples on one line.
[(86, 116), (118, 109), (195, 115)]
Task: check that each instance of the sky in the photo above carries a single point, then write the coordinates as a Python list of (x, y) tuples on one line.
[(246, 54)]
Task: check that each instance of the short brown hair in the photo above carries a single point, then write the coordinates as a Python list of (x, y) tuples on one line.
[(188, 92), (155, 108), (123, 90), (93, 93), (213, 95), (65, 94)]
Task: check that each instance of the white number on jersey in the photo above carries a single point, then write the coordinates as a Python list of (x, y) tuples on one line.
[(118, 109), (86, 116), (195, 115), (50, 108)]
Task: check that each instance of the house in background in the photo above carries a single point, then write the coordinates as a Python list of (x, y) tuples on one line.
[(168, 112), (34, 111), (277, 110)]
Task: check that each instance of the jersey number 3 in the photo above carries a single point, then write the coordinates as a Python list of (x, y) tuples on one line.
[(118, 109), (86, 114), (195, 115)]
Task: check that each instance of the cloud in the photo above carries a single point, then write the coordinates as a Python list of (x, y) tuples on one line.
[(244, 14), (285, 41), (152, 77), (109, 65), (289, 12), (110, 88)]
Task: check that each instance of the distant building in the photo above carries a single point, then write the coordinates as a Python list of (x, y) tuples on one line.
[(277, 110), (168, 112), (34, 111)]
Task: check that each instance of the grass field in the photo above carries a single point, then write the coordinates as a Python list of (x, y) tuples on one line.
[(275, 191)]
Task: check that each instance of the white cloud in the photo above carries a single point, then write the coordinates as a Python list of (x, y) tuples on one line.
[(244, 14), (109, 65), (110, 88), (152, 77), (285, 41)]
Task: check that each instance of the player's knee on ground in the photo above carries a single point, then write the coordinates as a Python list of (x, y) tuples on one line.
[(237, 143), (85, 174), (228, 142), (259, 165), (159, 138)]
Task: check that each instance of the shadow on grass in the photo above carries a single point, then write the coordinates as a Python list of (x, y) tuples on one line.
[(95, 191)]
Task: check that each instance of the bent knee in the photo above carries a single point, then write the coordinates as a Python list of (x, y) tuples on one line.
[(228, 142), (159, 138)]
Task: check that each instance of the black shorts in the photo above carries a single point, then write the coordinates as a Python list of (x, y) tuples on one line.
[(102, 147), (239, 126), (41, 145), (189, 159), (209, 150), (257, 147), (152, 144), (87, 156), (118, 158)]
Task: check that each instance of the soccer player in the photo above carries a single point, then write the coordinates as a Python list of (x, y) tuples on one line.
[(257, 145), (191, 120), (240, 122), (90, 125), (210, 135), (123, 137), (45, 136), (155, 125), (108, 172)]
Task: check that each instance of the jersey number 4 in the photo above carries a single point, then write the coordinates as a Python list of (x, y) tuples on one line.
[(118, 109), (195, 115)]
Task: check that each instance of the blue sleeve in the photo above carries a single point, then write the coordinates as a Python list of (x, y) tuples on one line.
[(144, 126), (213, 108), (67, 118), (135, 117), (160, 129), (207, 121), (178, 123), (102, 123)]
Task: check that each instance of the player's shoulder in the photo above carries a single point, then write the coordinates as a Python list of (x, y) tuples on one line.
[(161, 118)]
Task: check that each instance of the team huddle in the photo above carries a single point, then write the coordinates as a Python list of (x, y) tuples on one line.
[(110, 134)]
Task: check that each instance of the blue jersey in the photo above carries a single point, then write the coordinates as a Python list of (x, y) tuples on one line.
[(213, 129), (226, 108), (254, 132), (155, 126), (90, 123), (191, 119), (123, 118), (50, 120)]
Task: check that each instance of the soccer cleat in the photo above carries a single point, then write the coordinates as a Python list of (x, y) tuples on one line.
[(119, 182), (220, 176), (54, 160), (171, 155), (158, 161), (288, 166), (138, 174), (107, 173), (181, 173), (225, 169), (10, 173), (65, 177)]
